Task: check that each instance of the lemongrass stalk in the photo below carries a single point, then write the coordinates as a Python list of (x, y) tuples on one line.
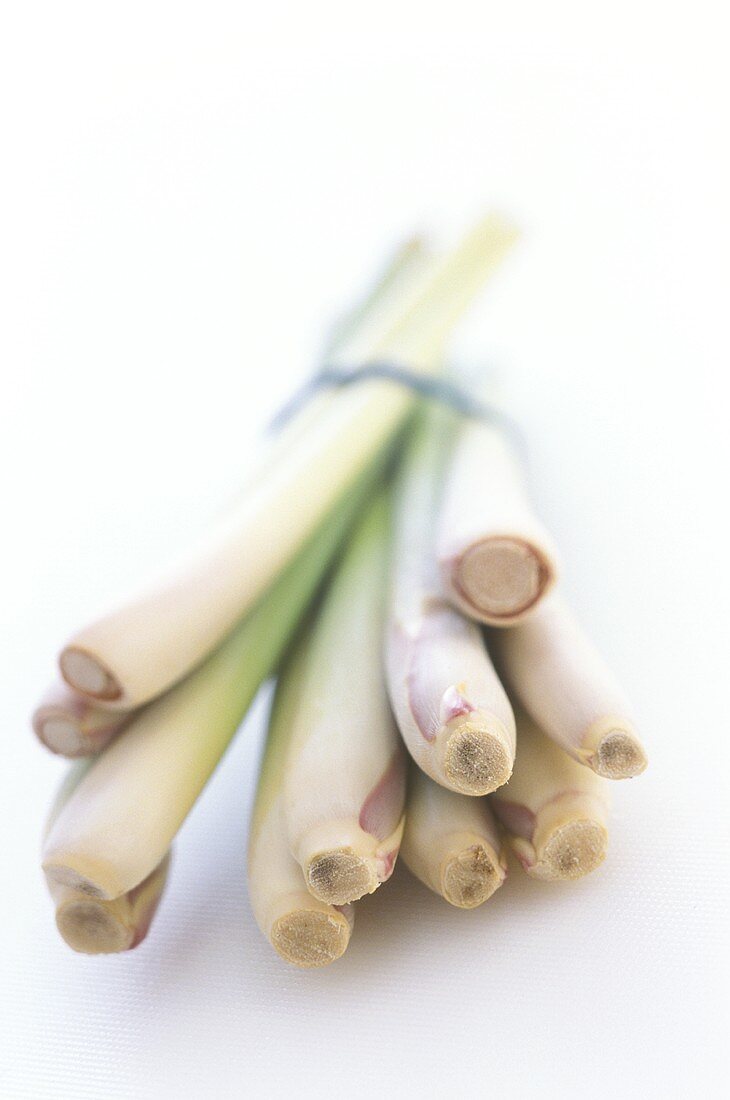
[(70, 725), (496, 559), (122, 817), (92, 925), (562, 681), (302, 929), (132, 654), (452, 711), (554, 811), (344, 779), (451, 843)]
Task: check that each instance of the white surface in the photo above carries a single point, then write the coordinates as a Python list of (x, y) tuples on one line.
[(189, 192)]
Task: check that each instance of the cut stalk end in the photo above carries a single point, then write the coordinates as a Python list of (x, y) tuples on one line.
[(89, 927), (573, 850), (476, 761), (341, 876), (73, 726), (61, 735), (85, 673), (619, 756), (471, 876), (310, 938), (569, 840), (501, 578), (95, 926)]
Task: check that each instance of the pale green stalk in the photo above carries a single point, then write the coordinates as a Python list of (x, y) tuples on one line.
[(122, 817), (373, 313), (452, 711), (302, 929), (344, 778), (406, 259)]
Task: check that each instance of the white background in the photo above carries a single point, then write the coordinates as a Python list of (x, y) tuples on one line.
[(189, 193)]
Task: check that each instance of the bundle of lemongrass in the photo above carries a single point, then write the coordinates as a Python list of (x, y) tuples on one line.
[(380, 532)]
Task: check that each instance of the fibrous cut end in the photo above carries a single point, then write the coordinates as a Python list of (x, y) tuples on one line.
[(476, 761), (341, 876), (89, 927), (619, 756), (502, 578), (310, 938), (472, 876), (573, 850), (85, 673)]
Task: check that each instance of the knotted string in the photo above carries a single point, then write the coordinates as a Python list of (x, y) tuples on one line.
[(443, 391)]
